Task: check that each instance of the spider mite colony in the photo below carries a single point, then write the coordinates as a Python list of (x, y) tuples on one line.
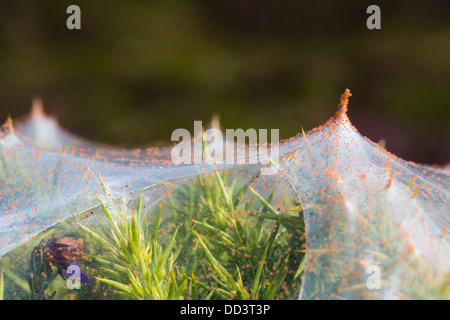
[(340, 218)]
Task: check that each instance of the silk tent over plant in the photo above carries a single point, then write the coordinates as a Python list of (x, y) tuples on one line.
[(362, 205)]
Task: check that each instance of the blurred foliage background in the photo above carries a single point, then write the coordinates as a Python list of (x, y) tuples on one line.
[(137, 70)]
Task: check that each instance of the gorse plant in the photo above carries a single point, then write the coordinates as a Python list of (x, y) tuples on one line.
[(248, 252), (138, 267), (225, 240), (222, 247), (248, 255), (249, 249)]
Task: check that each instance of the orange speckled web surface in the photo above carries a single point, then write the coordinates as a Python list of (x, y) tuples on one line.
[(363, 206)]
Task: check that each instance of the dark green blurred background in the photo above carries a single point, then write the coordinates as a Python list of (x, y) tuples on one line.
[(140, 69)]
